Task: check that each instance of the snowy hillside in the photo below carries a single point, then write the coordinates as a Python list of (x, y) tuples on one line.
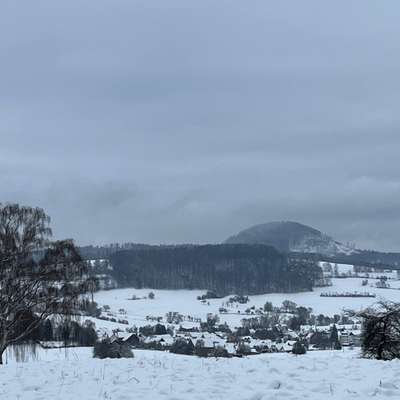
[(67, 374), (158, 375), (323, 245), (186, 303)]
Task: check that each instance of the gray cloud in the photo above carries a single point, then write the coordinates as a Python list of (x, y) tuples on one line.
[(185, 121)]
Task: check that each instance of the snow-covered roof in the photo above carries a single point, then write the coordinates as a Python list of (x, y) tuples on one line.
[(166, 339), (209, 339)]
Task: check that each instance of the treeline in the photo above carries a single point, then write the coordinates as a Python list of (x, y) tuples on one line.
[(105, 251), (374, 258), (360, 257), (224, 268), (364, 258)]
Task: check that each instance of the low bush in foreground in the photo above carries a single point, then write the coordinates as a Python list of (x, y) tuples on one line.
[(112, 349), (299, 348)]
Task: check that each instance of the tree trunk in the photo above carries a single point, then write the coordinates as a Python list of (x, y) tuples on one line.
[(1, 355), (3, 346), (379, 352)]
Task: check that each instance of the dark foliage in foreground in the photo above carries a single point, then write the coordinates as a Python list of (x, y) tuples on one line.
[(182, 346), (381, 331), (112, 349), (68, 331), (299, 348)]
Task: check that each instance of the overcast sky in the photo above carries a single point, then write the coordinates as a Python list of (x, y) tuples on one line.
[(187, 121)]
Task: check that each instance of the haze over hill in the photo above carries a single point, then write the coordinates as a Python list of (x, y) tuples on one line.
[(291, 236)]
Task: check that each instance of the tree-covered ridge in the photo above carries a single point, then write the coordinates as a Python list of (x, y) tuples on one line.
[(224, 268), (282, 235)]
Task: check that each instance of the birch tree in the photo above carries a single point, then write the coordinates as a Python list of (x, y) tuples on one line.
[(39, 277)]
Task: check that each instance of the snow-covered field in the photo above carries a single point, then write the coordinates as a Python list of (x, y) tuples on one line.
[(158, 375), (186, 303), (73, 373)]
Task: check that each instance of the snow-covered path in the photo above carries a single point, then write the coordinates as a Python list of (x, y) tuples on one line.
[(158, 375)]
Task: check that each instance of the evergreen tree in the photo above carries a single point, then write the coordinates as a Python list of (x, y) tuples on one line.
[(268, 307), (334, 336)]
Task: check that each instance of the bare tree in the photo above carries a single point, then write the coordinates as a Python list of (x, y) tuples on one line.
[(381, 331), (38, 277)]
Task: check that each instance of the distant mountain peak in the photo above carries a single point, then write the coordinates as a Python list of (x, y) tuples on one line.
[(291, 236)]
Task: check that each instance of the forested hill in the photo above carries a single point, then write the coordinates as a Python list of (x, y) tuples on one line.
[(225, 268), (288, 236)]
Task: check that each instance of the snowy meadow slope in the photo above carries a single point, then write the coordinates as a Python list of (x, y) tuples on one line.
[(185, 302), (160, 375), (67, 374)]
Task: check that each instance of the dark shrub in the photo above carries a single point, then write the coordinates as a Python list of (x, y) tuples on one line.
[(146, 330), (159, 329), (182, 346), (87, 335), (220, 351), (321, 340), (210, 294), (242, 331), (112, 349), (268, 307), (299, 348), (337, 346)]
